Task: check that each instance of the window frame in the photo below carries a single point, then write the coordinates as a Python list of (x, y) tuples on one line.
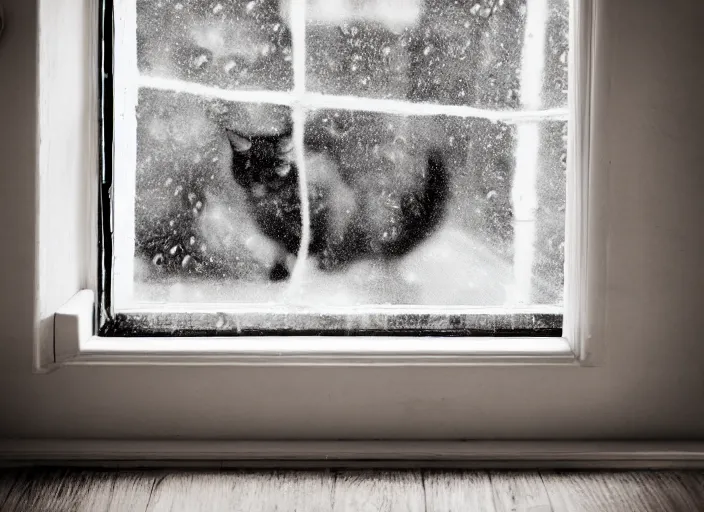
[(72, 339)]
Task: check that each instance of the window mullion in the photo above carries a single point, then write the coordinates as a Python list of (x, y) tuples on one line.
[(205, 91), (298, 35), (414, 108), (312, 100), (524, 186)]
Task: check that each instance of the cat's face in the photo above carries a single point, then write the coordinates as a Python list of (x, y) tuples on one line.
[(263, 165)]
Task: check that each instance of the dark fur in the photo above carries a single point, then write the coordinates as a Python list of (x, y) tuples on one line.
[(265, 167)]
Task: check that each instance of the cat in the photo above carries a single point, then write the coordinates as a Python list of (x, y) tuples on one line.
[(375, 204)]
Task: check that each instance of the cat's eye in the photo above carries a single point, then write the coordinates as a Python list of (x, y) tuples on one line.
[(430, 142), (282, 170)]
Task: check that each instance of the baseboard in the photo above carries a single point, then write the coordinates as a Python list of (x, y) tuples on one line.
[(354, 454)]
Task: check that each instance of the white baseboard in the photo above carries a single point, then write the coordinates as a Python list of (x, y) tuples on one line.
[(450, 454)]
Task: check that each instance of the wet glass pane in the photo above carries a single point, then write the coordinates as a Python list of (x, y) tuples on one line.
[(408, 206), (555, 84), (191, 219), (229, 44), (440, 51), (403, 210)]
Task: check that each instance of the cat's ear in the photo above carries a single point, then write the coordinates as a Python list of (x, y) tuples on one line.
[(239, 143)]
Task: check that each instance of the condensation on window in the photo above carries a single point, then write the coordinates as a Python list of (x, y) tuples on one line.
[(225, 44), (434, 145)]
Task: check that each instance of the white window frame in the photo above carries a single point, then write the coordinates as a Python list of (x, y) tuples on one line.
[(66, 301)]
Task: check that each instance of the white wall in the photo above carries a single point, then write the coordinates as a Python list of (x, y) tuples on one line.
[(652, 382)]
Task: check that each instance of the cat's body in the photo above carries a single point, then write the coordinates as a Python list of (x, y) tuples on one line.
[(376, 201)]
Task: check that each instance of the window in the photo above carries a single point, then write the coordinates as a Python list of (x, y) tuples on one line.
[(309, 167), (641, 389)]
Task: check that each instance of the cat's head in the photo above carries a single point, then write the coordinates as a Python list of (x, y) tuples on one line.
[(263, 164)]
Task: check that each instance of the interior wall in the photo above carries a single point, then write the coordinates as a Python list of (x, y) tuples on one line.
[(651, 384)]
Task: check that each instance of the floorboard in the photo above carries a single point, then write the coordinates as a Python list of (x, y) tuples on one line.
[(242, 491), (519, 492), (64, 490), (130, 492), (7, 480), (693, 481), (619, 491), (58, 491), (458, 491), (374, 491)]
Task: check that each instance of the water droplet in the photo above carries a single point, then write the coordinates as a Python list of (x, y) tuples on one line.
[(200, 61), (229, 66)]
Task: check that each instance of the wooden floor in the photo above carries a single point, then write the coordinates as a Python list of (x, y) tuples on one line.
[(57, 490)]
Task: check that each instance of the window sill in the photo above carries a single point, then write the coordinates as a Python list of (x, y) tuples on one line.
[(74, 343)]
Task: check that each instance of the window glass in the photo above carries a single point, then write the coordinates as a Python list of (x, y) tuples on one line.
[(340, 166)]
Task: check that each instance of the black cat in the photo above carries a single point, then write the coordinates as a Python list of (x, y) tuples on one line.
[(358, 209)]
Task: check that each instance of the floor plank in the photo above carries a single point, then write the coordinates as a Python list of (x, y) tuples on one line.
[(519, 492), (619, 491), (7, 480), (458, 491), (694, 483), (242, 491), (58, 491), (130, 492), (375, 491)]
